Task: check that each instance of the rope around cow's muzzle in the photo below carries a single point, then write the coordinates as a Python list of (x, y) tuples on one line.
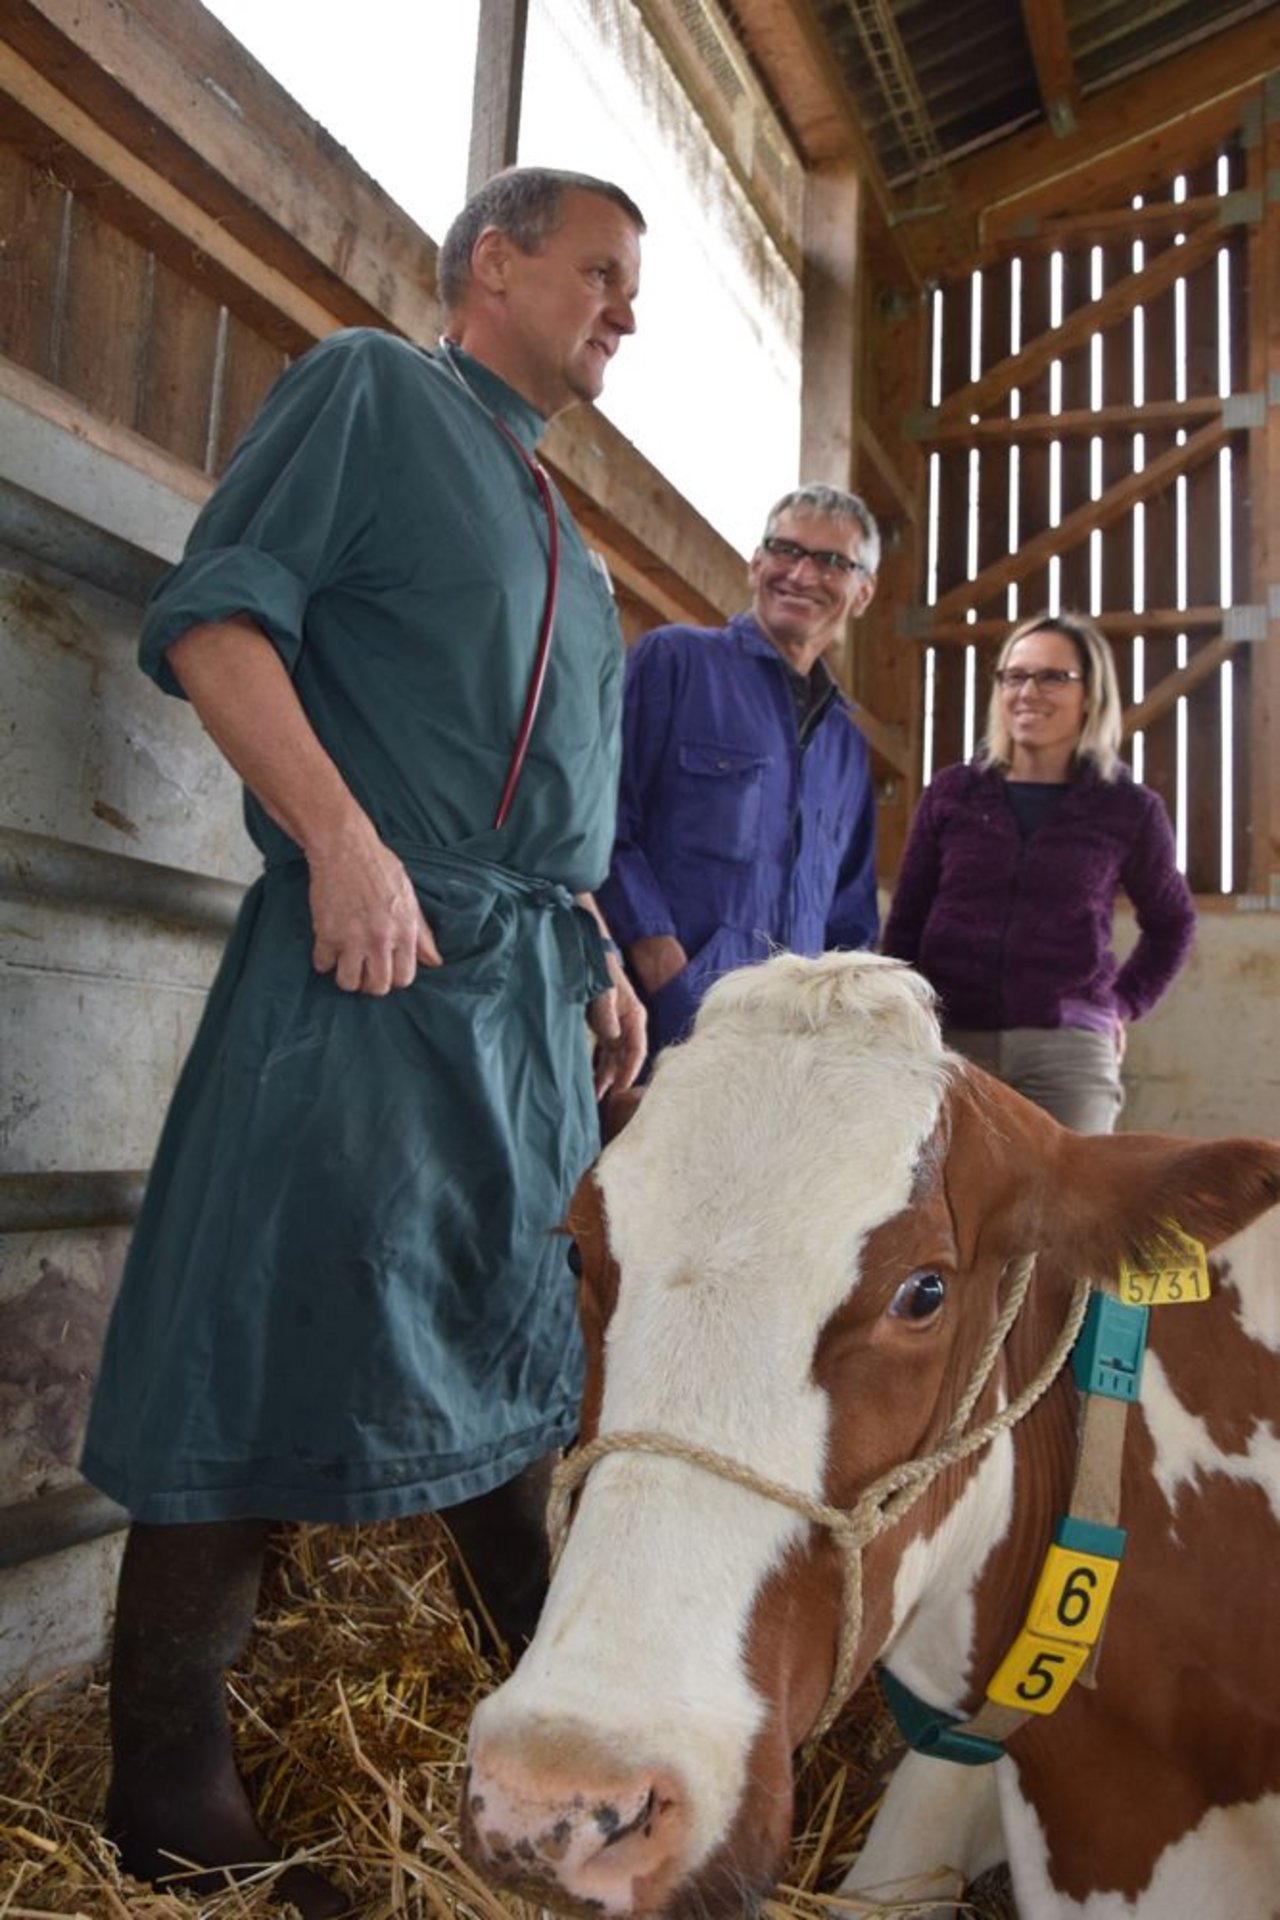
[(882, 1504)]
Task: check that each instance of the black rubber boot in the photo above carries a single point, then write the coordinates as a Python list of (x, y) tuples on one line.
[(503, 1563), (186, 1602)]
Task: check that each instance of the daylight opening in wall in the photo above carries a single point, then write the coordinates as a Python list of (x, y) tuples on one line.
[(709, 389), (1111, 438)]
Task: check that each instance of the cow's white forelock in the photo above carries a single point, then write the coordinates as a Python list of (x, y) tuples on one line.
[(738, 1200)]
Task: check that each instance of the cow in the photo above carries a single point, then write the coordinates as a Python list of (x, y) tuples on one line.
[(828, 1270)]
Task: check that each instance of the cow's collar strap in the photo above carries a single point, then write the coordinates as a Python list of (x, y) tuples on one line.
[(882, 1504), (1060, 1640)]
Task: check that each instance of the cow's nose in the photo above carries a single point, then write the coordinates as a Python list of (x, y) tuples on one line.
[(619, 1844)]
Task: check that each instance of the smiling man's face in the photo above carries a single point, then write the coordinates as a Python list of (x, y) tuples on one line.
[(800, 604)]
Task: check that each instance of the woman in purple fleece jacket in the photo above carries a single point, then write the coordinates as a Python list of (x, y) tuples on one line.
[(1008, 884)]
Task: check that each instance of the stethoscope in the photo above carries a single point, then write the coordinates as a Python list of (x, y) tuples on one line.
[(542, 653)]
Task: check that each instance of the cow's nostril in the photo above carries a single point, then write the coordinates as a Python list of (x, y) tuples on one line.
[(642, 1823)]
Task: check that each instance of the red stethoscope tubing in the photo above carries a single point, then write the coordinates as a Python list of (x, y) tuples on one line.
[(542, 653)]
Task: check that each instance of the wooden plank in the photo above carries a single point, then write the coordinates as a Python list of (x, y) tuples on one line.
[(949, 668), (1138, 131), (1030, 490), (879, 474), (249, 366), (61, 116), (889, 742), (105, 319), (180, 355), (1098, 316), (1166, 693), (832, 298), (1046, 27), (499, 80), (1101, 227), (166, 82), (1263, 689), (1073, 454), (1116, 625), (34, 206), (1162, 416), (52, 403), (1115, 502)]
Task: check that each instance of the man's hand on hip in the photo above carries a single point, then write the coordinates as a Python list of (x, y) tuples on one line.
[(370, 932)]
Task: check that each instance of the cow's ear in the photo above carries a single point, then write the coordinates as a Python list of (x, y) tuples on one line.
[(1133, 1186)]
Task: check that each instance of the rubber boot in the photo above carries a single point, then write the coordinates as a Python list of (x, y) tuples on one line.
[(185, 1608), (503, 1561)]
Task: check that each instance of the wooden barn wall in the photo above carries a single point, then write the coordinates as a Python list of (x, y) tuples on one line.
[(1167, 592)]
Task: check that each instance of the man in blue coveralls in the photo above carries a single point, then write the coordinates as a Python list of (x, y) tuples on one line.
[(346, 1298), (746, 819)]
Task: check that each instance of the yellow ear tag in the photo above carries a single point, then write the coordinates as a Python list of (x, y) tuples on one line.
[(1174, 1272)]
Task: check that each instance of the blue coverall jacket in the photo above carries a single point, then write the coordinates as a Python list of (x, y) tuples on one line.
[(733, 835)]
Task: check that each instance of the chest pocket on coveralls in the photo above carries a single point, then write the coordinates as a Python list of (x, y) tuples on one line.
[(723, 798)]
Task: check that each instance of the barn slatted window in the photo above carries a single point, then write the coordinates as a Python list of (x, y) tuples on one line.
[(1085, 452)]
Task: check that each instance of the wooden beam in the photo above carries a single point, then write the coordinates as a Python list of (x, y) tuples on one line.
[(20, 81), (106, 436), (1116, 626), (889, 742), (1141, 128), (1055, 66), (875, 465), (1115, 305), (1106, 226), (1096, 514), (1039, 429), (1167, 693), (499, 80), (171, 88), (832, 297)]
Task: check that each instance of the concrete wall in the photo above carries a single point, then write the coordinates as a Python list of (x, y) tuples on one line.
[(1207, 1060)]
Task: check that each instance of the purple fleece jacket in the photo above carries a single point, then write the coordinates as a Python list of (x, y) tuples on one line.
[(1017, 933)]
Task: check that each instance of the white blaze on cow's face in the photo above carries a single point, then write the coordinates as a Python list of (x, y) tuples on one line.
[(738, 1203)]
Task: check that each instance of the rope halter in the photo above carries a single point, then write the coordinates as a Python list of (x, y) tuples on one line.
[(881, 1505)]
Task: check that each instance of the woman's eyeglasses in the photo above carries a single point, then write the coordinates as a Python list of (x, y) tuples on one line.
[(1052, 678)]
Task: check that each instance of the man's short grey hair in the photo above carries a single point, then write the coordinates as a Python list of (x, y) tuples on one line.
[(526, 203), (813, 497)]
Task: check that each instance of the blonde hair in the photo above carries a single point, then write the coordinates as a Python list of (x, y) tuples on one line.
[(1101, 733)]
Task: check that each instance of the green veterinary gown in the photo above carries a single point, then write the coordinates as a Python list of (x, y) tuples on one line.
[(346, 1298)]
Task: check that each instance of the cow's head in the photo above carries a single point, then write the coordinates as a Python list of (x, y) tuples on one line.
[(793, 1257)]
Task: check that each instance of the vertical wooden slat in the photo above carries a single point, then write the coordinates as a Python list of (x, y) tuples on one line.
[(251, 365), (1033, 464), (108, 295), (1247, 587), (1073, 587), (31, 213), (180, 354), (1160, 548), (1204, 768), (1117, 461), (953, 529), (1264, 477), (993, 498), (832, 297)]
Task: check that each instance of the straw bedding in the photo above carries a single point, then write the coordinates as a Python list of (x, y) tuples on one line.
[(352, 1708)]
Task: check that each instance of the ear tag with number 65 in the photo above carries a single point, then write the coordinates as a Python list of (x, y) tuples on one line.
[(1174, 1272)]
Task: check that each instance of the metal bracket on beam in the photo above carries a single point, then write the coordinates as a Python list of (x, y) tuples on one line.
[(921, 423), (1271, 98), (1273, 603), (1240, 209), (1241, 412), (1251, 122), (1245, 623), (1273, 185), (915, 623)]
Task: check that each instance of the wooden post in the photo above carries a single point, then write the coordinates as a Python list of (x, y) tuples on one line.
[(495, 101), (1264, 482), (831, 289)]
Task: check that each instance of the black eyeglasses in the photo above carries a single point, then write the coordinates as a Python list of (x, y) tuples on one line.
[(825, 557), (1012, 678)]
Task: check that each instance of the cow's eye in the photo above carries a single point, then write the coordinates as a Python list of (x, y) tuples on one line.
[(574, 1257), (919, 1297)]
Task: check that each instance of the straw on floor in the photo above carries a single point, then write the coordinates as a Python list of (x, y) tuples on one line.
[(352, 1709)]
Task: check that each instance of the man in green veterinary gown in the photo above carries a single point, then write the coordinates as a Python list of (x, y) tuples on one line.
[(346, 1298)]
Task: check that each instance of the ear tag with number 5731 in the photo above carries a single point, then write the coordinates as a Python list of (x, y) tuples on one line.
[(1174, 1272)]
